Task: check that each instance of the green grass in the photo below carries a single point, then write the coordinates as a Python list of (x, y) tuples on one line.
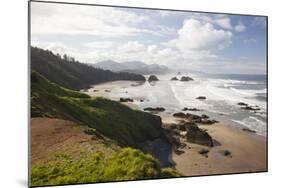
[(113, 119), (126, 164), (170, 173)]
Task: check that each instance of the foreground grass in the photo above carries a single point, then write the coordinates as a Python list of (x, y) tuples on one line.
[(113, 119), (126, 164)]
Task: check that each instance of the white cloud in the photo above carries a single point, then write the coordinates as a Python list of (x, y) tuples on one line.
[(85, 20), (135, 51), (240, 27), (220, 20), (224, 22), (198, 36), (196, 42), (60, 48), (102, 33), (152, 49), (100, 45), (132, 47)]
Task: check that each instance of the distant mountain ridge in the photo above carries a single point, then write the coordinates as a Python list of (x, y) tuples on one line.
[(70, 73), (136, 67)]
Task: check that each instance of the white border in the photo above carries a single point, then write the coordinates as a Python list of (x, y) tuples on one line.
[(13, 131)]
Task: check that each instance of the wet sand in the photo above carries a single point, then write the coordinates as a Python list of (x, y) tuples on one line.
[(113, 90)]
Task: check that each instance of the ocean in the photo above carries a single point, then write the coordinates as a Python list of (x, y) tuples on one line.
[(223, 92)]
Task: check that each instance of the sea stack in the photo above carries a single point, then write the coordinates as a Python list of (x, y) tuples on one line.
[(174, 79), (152, 78), (186, 78), (201, 98)]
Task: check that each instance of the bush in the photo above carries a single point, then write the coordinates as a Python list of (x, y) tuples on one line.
[(131, 164), (169, 173)]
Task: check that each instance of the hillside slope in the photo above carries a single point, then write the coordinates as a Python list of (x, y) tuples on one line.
[(72, 74), (52, 136), (62, 153), (118, 122)]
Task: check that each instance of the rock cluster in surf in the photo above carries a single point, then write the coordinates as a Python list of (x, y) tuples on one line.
[(152, 78)]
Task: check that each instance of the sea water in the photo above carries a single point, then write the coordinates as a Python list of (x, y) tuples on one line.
[(223, 92)]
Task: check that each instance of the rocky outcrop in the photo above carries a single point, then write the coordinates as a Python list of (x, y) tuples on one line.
[(174, 79), (204, 116), (178, 152), (225, 153), (248, 130), (190, 109), (152, 78), (245, 106), (193, 118), (251, 108), (126, 100), (157, 109), (242, 104), (185, 78), (201, 98), (177, 126), (196, 135), (179, 115), (174, 140), (204, 152), (208, 121)]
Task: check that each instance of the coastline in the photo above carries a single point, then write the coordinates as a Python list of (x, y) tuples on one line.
[(248, 151)]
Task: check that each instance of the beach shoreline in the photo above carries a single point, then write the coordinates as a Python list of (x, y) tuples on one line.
[(247, 150), (248, 153)]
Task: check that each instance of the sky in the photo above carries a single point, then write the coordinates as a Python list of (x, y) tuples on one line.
[(212, 43)]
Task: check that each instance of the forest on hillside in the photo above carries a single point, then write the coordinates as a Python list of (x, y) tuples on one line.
[(72, 74)]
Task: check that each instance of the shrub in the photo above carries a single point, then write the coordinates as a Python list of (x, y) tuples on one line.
[(170, 172)]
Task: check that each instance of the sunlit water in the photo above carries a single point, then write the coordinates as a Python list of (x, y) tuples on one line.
[(223, 92)]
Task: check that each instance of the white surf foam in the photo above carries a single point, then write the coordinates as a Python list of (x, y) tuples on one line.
[(253, 123)]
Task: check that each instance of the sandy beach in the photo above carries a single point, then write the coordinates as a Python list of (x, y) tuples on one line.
[(247, 151)]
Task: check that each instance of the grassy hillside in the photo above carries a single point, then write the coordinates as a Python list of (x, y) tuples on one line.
[(116, 121), (88, 157), (125, 164), (69, 73)]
